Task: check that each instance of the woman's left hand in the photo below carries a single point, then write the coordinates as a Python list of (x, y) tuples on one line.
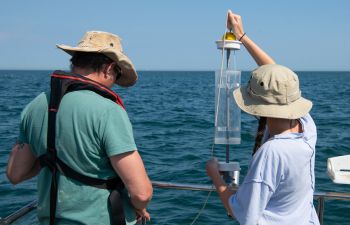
[(212, 168)]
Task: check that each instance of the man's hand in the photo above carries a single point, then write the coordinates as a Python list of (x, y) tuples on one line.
[(142, 214)]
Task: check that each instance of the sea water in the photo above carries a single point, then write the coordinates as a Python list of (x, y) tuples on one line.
[(173, 123)]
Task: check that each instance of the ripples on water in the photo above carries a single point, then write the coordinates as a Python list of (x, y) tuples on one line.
[(172, 117)]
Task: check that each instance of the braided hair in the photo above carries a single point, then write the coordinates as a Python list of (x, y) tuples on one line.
[(259, 134)]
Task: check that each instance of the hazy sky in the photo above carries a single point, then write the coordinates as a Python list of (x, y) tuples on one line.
[(177, 35)]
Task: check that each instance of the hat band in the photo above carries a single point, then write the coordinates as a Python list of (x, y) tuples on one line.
[(275, 99)]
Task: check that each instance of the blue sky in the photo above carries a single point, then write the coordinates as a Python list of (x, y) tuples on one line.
[(177, 35)]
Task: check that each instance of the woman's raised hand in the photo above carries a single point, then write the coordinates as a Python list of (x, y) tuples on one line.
[(234, 23)]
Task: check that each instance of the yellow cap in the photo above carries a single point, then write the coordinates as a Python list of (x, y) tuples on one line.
[(229, 36)]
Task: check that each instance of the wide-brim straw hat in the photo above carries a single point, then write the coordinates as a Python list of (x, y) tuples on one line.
[(109, 45), (272, 91)]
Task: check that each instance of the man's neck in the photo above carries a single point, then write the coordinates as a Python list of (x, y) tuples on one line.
[(88, 73)]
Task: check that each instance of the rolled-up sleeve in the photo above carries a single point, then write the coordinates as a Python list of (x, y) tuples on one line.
[(250, 201)]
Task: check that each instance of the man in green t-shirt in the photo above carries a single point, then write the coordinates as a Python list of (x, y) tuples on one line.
[(93, 136)]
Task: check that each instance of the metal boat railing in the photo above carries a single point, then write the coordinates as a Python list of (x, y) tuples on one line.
[(319, 196)]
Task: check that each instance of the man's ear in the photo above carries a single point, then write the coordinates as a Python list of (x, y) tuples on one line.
[(104, 70), (107, 70), (110, 68)]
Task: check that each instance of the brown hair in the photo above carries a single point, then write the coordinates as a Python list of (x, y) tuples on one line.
[(89, 60), (259, 134), (94, 61)]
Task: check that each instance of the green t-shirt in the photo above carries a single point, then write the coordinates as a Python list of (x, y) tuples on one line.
[(89, 129)]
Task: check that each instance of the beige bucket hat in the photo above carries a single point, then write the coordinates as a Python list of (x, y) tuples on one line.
[(110, 45), (272, 91)]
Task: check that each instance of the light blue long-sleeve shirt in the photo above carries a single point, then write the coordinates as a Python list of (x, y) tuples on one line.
[(279, 186)]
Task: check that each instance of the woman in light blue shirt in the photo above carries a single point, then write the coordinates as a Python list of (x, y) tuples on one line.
[(278, 188)]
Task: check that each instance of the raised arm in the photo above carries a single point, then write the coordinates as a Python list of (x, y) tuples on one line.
[(234, 22)]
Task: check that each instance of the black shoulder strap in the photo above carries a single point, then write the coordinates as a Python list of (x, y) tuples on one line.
[(64, 169), (62, 83)]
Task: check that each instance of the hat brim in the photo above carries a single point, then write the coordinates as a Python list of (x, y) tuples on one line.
[(129, 75), (258, 107)]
